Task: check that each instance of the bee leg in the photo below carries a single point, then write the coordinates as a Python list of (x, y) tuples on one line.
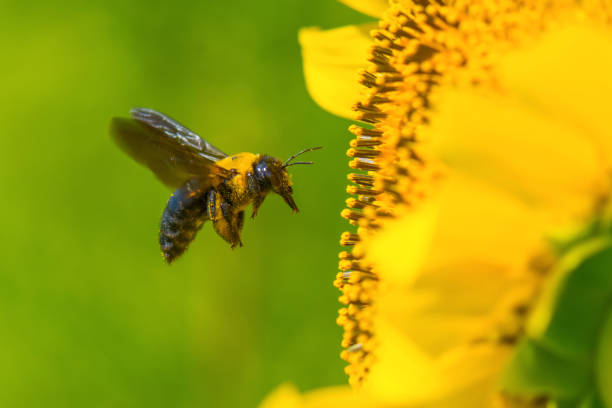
[(255, 192), (239, 225), (236, 223), (211, 204), (259, 199), (223, 229), (227, 225)]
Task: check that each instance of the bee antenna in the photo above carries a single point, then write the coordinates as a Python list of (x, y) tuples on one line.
[(286, 164), (294, 163)]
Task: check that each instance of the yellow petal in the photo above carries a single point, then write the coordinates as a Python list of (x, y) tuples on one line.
[(404, 375), (446, 276), (447, 235), (285, 396), (400, 248), (402, 371), (374, 8), (504, 141), (337, 397), (577, 90), (332, 59), (481, 227)]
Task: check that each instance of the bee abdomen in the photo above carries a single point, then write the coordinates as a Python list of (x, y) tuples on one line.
[(182, 219)]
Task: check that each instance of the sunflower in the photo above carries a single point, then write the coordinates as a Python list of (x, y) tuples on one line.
[(479, 269)]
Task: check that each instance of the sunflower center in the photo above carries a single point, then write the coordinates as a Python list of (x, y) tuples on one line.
[(419, 45)]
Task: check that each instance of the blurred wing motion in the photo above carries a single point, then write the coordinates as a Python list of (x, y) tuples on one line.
[(173, 152)]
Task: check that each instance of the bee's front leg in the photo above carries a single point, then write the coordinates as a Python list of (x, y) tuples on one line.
[(238, 227), (259, 199)]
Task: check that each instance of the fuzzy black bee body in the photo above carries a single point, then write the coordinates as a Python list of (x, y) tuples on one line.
[(210, 185), (182, 218)]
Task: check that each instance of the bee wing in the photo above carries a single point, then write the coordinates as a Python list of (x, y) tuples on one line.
[(174, 130), (173, 152)]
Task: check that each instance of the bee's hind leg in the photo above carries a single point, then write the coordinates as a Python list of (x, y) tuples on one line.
[(236, 224)]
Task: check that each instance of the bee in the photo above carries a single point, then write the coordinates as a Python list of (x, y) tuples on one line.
[(209, 184)]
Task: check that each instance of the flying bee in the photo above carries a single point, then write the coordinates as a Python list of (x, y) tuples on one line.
[(209, 184)]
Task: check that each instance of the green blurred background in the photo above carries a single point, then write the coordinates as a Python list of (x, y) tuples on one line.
[(89, 313)]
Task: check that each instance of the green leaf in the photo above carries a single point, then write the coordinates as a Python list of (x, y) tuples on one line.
[(536, 370), (570, 316), (567, 351), (604, 361)]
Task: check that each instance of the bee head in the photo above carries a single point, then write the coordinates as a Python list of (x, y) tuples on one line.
[(272, 174)]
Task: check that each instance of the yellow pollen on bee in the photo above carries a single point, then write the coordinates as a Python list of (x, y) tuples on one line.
[(241, 162)]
